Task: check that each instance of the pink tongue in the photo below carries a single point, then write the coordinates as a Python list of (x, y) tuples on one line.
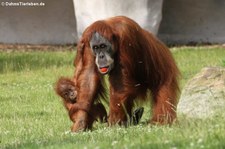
[(104, 69)]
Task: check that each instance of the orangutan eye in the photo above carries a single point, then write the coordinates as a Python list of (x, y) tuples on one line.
[(102, 46), (95, 47)]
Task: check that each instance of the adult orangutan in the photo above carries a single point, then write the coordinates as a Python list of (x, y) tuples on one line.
[(136, 63)]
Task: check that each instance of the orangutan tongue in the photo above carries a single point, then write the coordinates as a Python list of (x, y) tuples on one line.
[(104, 69)]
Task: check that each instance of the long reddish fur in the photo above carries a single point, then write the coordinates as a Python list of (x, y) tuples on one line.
[(142, 63)]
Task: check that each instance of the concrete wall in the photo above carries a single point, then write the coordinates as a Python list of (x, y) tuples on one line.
[(183, 22), (193, 21), (147, 13), (53, 23)]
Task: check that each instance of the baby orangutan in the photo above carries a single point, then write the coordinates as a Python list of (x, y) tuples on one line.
[(67, 90)]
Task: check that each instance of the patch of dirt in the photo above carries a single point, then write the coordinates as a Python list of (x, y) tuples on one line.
[(27, 47)]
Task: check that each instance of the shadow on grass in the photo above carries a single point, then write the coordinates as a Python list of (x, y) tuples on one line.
[(16, 62)]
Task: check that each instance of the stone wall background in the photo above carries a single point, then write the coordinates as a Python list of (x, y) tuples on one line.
[(53, 23), (193, 21), (62, 22)]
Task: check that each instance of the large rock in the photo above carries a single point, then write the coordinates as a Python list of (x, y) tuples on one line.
[(147, 13), (204, 95)]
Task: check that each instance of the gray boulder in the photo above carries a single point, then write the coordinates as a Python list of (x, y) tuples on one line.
[(204, 95)]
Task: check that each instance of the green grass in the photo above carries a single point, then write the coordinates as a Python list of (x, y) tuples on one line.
[(32, 116), (20, 61)]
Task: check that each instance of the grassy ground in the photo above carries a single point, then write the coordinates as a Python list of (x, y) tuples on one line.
[(32, 116)]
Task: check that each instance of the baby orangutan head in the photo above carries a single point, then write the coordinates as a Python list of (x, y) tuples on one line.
[(66, 89)]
